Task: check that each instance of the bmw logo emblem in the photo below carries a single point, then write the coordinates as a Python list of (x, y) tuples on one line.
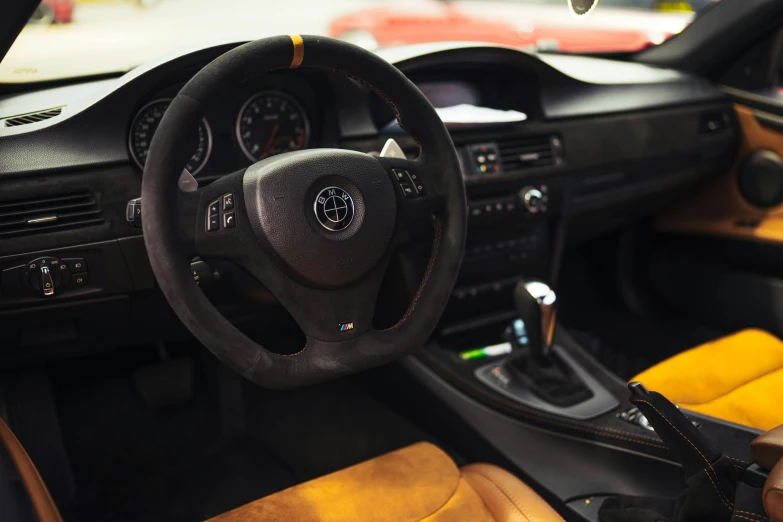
[(333, 208)]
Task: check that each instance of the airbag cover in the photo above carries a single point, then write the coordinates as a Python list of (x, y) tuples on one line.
[(280, 197)]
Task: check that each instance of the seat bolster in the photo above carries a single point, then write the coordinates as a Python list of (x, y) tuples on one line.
[(42, 502), (508, 498), (407, 485)]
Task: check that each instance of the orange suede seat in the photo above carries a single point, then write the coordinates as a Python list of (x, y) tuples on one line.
[(738, 378), (417, 483)]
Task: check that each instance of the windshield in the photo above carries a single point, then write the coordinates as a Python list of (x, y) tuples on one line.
[(77, 38)]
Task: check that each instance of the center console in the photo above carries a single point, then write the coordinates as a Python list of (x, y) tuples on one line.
[(545, 402), (510, 232), (542, 375)]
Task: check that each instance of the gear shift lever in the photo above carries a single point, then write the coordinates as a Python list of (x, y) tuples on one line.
[(539, 374), (536, 305), (539, 368)]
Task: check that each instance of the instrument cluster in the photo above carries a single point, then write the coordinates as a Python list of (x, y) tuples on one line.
[(267, 122)]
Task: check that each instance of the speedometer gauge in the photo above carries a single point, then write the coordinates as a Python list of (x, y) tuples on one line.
[(269, 123), (146, 123)]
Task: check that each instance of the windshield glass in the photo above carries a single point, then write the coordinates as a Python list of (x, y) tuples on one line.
[(76, 38)]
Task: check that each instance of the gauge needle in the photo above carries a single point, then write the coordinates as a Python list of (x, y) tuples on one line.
[(271, 137)]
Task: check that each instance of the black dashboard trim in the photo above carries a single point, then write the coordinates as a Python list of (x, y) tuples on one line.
[(92, 129)]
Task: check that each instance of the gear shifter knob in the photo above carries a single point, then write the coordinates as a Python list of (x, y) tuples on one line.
[(536, 305)]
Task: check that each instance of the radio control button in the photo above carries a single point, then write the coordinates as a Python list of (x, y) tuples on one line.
[(532, 199)]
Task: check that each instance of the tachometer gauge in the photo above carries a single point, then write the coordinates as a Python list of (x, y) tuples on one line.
[(269, 123), (146, 123)]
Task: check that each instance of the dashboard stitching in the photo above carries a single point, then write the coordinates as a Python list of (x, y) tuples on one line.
[(601, 431), (605, 432)]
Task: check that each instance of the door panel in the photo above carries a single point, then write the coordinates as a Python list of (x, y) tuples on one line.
[(720, 209), (717, 257)]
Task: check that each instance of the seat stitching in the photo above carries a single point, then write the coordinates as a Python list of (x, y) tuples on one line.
[(508, 498), (738, 460), (751, 513), (723, 499), (746, 518), (713, 399)]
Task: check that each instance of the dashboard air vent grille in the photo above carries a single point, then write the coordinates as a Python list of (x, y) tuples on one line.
[(530, 152), (33, 117), (48, 214)]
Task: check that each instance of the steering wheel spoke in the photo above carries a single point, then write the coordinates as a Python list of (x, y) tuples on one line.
[(323, 314)]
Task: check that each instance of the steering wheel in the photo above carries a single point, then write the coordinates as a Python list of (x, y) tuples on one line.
[(316, 227)]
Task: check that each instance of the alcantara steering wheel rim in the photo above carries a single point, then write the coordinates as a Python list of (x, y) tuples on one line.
[(275, 233)]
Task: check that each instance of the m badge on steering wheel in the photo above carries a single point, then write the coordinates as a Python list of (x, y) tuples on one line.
[(334, 208)]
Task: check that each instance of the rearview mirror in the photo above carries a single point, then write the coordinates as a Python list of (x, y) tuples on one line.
[(582, 7)]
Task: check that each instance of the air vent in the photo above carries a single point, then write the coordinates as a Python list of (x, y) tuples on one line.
[(33, 117), (532, 152), (56, 212), (713, 122)]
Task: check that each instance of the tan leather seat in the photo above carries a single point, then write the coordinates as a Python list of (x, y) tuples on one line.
[(417, 483), (736, 378), (42, 502)]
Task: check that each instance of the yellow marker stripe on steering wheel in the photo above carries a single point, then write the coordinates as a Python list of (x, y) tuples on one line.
[(296, 61)]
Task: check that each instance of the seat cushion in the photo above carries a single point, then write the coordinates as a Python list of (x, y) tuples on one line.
[(417, 483), (738, 378)]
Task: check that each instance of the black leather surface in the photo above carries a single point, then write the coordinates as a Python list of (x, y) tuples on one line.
[(167, 246)]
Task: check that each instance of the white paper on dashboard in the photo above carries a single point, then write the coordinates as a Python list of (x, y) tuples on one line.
[(471, 114)]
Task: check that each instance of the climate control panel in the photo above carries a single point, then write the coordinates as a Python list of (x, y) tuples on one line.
[(531, 200)]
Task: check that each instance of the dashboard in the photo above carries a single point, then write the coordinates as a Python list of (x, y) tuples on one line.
[(554, 149)]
